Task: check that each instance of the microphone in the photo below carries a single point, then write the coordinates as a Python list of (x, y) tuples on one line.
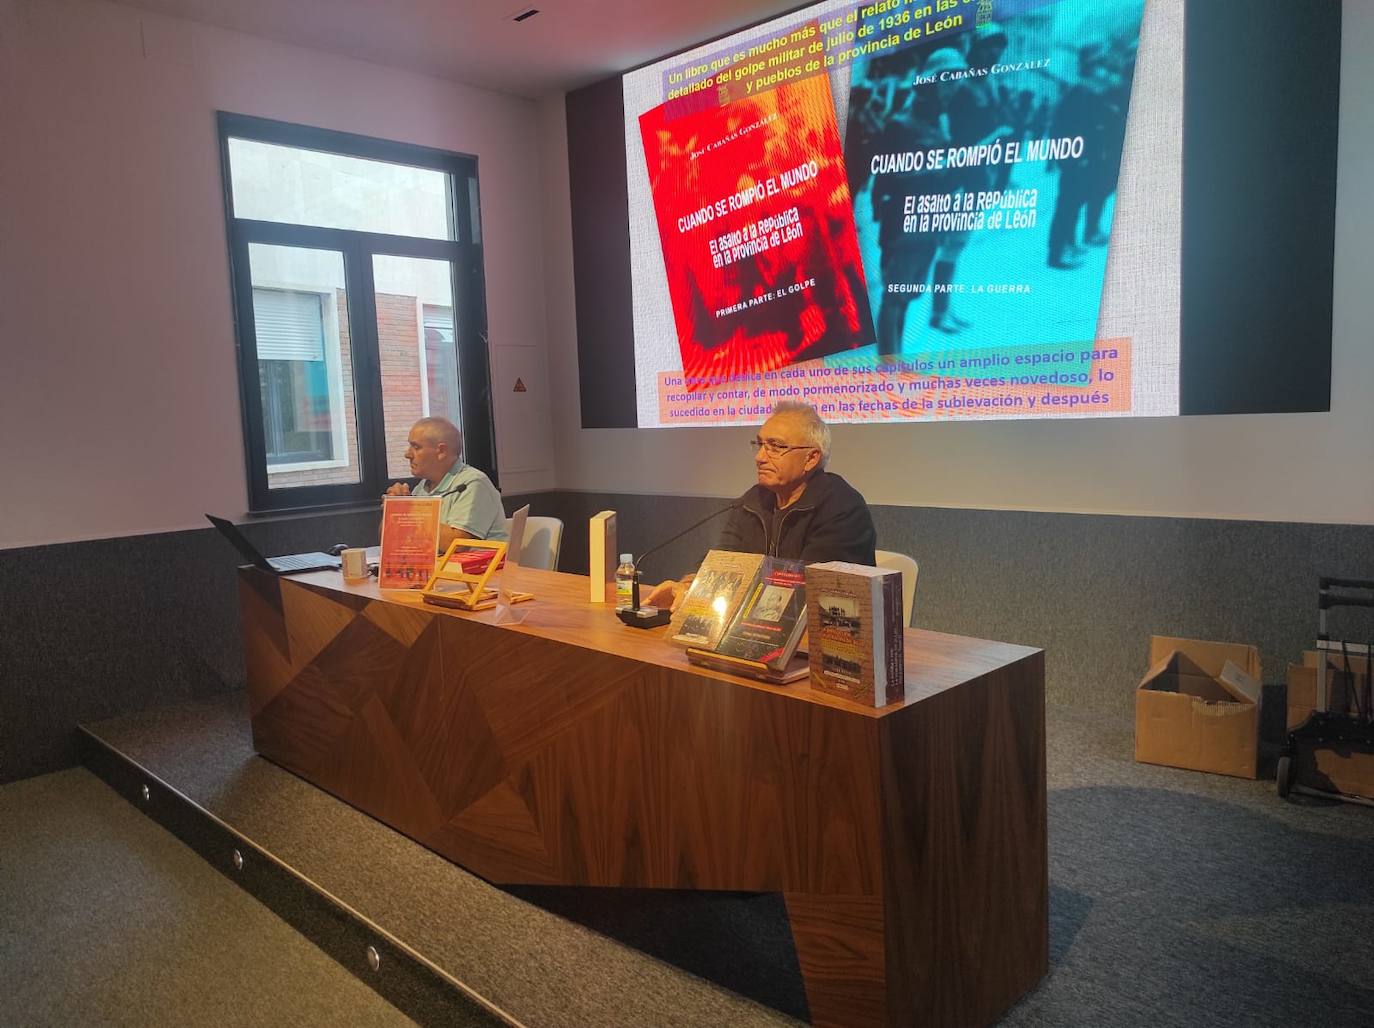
[(451, 491), (633, 615), (454, 491)]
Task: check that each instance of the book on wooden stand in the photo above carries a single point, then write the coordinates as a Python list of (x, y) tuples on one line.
[(761, 637), (718, 588), (856, 635), (461, 578), (795, 669)]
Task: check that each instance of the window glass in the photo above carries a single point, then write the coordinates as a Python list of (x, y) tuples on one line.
[(346, 255), (415, 345), (305, 367), (310, 187), (441, 363)]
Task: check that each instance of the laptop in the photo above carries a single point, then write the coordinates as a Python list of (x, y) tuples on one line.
[(288, 565), (517, 536)]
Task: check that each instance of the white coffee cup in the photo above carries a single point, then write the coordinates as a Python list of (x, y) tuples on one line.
[(354, 565)]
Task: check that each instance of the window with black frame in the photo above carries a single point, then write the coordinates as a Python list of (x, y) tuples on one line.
[(360, 307)]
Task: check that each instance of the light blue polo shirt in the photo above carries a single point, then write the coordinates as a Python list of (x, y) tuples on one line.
[(477, 509)]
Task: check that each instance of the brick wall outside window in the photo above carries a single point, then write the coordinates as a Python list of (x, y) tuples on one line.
[(398, 340)]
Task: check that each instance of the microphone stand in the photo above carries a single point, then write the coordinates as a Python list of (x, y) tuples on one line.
[(651, 617), (456, 490)]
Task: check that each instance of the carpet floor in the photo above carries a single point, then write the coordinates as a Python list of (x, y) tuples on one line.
[(1176, 898), (107, 919)]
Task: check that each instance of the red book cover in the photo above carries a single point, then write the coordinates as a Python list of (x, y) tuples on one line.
[(410, 541), (474, 562), (757, 229)]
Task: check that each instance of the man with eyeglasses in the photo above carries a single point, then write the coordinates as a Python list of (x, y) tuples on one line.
[(798, 509), (471, 505)]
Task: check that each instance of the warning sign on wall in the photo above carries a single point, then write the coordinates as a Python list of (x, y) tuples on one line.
[(520, 386)]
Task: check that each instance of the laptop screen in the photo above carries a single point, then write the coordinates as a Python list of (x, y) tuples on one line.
[(230, 531), (517, 536)]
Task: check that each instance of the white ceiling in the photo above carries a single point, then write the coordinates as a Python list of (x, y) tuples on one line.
[(570, 43)]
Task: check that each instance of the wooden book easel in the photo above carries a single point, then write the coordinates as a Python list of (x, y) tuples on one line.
[(477, 596)]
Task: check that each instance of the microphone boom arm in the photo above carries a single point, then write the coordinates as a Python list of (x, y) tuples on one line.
[(673, 539)]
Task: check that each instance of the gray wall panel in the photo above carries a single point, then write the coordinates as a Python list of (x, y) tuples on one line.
[(90, 630)]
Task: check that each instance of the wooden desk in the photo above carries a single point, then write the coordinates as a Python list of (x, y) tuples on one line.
[(909, 842)]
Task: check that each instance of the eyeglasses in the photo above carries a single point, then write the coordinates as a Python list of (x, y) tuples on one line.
[(775, 447)]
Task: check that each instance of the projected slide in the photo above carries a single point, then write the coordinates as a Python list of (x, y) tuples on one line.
[(906, 211), (757, 230)]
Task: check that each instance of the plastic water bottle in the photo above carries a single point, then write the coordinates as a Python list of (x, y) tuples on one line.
[(625, 581)]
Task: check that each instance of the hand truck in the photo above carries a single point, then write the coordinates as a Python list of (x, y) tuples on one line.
[(1340, 690)]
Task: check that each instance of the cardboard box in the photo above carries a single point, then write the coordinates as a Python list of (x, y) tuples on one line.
[(1328, 769), (1339, 771), (1302, 694), (1198, 707), (1309, 691)]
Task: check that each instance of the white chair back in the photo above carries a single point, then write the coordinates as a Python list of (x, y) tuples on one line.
[(909, 569), (543, 539)]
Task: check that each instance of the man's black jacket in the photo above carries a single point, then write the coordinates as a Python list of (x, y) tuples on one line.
[(830, 522)]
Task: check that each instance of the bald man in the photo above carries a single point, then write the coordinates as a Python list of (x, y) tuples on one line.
[(472, 506)]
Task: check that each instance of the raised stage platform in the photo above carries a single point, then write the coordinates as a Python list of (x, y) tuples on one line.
[(1175, 897), (451, 948)]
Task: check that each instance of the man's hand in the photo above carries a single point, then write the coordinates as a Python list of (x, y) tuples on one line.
[(668, 594), (447, 533), (398, 489), (663, 595)]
